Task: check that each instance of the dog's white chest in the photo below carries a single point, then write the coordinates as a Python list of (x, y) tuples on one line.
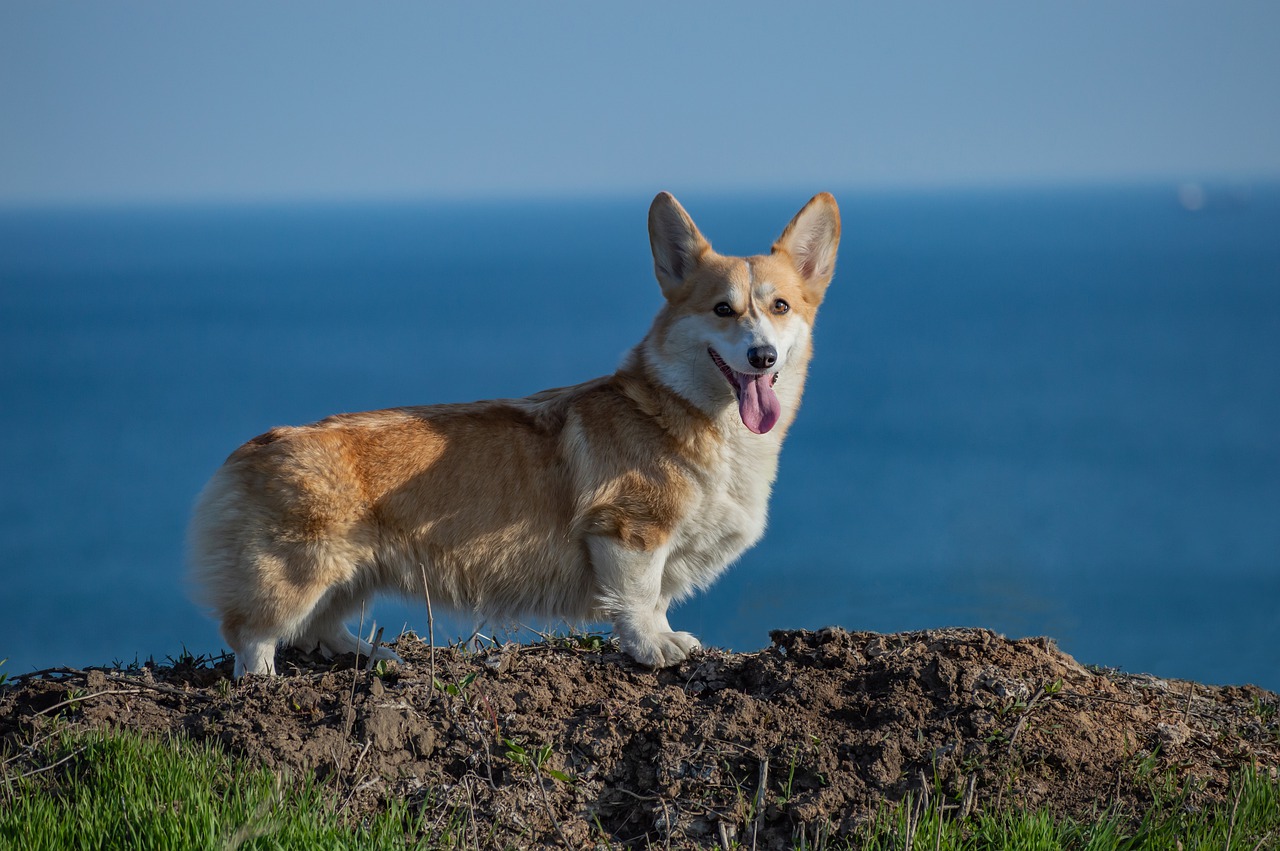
[(727, 518)]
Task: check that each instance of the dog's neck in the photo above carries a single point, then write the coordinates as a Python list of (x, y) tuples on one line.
[(699, 423)]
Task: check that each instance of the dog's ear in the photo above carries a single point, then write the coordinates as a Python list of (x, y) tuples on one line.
[(810, 241), (676, 242)]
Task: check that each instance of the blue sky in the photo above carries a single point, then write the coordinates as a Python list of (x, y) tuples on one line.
[(130, 101)]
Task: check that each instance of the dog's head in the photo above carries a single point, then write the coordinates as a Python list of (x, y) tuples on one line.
[(733, 327)]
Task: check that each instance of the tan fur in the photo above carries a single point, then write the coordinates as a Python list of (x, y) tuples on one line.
[(607, 500)]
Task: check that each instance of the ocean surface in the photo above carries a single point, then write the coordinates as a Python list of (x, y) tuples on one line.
[(1041, 412)]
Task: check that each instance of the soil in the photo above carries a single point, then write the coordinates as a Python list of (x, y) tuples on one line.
[(567, 742)]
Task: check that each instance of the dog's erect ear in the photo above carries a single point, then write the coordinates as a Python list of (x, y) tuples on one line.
[(676, 242), (811, 240)]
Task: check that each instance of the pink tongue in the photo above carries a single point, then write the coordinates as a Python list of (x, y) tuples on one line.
[(757, 403)]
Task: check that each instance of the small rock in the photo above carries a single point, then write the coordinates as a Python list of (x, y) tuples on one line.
[(1172, 735), (386, 728), (424, 742)]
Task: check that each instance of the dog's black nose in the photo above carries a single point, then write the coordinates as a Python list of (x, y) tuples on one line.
[(762, 357)]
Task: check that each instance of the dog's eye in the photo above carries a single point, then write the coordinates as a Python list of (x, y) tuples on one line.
[(723, 309), (780, 307)]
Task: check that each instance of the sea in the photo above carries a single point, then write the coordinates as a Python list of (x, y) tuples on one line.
[(1046, 412)]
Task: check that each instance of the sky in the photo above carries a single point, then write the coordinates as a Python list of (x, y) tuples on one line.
[(127, 102)]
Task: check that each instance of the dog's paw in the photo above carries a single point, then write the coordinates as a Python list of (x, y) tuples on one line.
[(661, 649)]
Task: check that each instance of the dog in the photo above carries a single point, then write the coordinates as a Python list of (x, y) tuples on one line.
[(604, 501)]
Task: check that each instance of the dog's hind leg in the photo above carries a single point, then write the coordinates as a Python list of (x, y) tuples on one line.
[(327, 632), (256, 656), (294, 595), (254, 648)]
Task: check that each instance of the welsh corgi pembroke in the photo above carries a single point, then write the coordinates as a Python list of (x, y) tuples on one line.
[(604, 501)]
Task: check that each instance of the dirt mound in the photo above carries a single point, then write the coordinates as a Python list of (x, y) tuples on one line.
[(569, 742)]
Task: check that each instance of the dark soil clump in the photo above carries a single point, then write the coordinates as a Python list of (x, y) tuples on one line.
[(569, 742)]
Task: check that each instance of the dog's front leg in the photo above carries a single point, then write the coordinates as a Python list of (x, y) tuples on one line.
[(630, 591)]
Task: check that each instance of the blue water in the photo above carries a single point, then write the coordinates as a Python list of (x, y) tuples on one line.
[(1039, 412)]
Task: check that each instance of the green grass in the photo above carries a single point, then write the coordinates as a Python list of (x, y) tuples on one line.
[(125, 791), (121, 790), (1250, 821)]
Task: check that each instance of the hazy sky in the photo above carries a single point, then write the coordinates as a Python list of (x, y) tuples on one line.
[(127, 101)]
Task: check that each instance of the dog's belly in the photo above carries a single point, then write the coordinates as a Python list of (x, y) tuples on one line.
[(508, 573)]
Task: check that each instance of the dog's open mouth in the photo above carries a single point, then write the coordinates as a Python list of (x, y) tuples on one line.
[(758, 405)]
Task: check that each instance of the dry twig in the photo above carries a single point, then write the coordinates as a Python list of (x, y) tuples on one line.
[(355, 775), (54, 765), (72, 700), (537, 777), (1234, 808), (1022, 719), (761, 789), (373, 649), (431, 634)]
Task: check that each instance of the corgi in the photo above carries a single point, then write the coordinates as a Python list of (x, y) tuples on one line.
[(604, 501)]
